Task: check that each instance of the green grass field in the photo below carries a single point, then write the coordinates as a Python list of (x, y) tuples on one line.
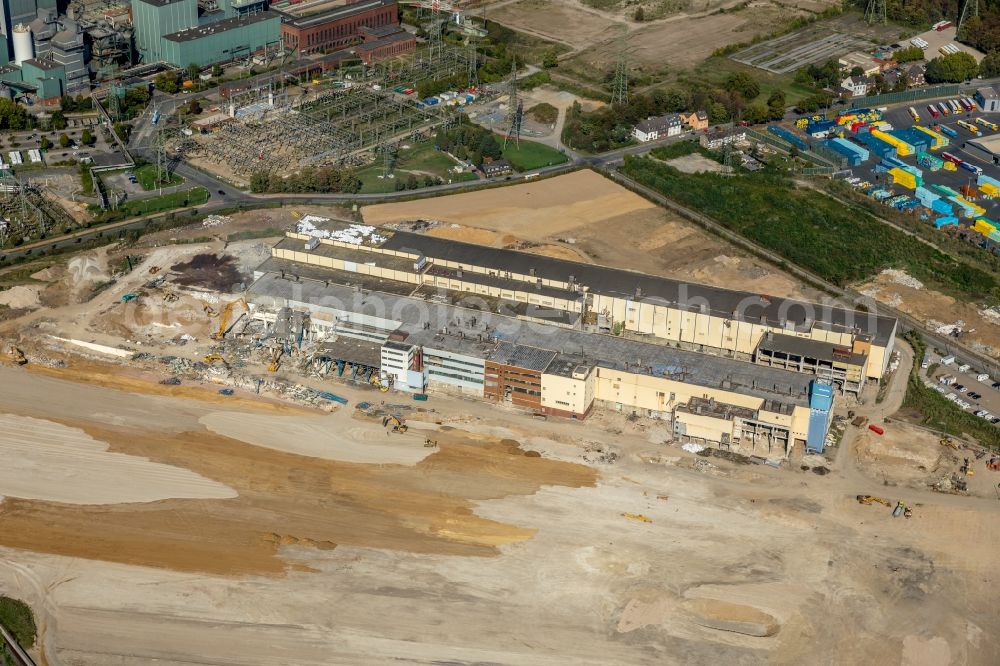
[(146, 175), (419, 159), (192, 197), (530, 155)]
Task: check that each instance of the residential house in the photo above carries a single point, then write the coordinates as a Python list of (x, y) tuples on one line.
[(497, 168), (856, 86), (716, 140), (915, 75), (696, 120), (657, 127)]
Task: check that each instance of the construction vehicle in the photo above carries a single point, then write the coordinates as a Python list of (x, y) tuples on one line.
[(212, 358), (966, 468), (377, 383), (638, 516), (275, 359), (859, 421), (397, 424), (169, 296), (993, 464), (209, 310), (947, 441), (898, 511), (153, 270), (16, 355), (129, 297), (227, 314), (872, 499)]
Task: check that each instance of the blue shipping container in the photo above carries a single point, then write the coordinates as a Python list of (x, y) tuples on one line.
[(945, 221), (942, 206), (848, 145), (784, 134)]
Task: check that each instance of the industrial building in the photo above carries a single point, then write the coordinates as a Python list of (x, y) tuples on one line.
[(590, 297), (387, 41), (314, 27), (988, 99), (987, 148), (725, 368), (172, 31)]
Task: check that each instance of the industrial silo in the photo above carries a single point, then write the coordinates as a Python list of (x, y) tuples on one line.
[(23, 49)]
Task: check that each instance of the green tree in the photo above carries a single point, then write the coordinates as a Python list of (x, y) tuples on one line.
[(194, 107), (58, 121), (13, 116), (17, 618), (64, 140), (193, 70), (216, 71), (639, 15), (755, 112), (776, 105), (411, 182), (46, 144), (857, 71), (744, 84), (166, 82), (951, 68), (908, 54), (990, 66), (902, 83), (488, 146), (550, 58), (87, 137)]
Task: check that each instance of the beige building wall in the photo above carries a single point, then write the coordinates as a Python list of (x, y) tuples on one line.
[(568, 393)]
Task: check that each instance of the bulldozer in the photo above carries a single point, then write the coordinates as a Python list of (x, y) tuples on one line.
[(16, 355), (212, 358), (397, 424), (872, 499), (947, 441), (227, 314)]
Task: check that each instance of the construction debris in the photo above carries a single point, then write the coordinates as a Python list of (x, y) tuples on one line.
[(216, 221)]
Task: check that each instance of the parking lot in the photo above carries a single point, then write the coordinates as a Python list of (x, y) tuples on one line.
[(964, 386), (899, 117)]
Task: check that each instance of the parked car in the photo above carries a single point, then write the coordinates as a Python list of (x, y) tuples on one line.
[(975, 396), (996, 385)]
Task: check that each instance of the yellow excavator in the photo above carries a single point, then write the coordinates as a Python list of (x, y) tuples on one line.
[(377, 383), (397, 423), (275, 359), (227, 314), (16, 355), (871, 499), (947, 441), (212, 358)]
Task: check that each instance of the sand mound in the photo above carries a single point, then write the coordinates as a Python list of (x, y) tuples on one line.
[(49, 461), (333, 437), (21, 296), (727, 616)]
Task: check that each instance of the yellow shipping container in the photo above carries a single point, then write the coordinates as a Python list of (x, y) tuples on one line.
[(904, 178), (984, 227), (989, 190), (902, 148), (938, 139)]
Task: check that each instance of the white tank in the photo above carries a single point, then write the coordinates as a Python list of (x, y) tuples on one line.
[(23, 49)]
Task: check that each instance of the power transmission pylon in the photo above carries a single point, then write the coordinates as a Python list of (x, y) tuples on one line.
[(969, 10), (389, 153), (875, 12), (114, 104), (619, 87), (473, 64), (515, 110)]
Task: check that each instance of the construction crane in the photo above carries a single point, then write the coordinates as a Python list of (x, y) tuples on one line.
[(227, 314), (397, 423)]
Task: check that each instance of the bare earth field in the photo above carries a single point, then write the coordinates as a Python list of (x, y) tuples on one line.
[(608, 224), (980, 329)]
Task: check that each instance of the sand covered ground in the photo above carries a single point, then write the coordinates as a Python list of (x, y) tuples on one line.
[(44, 460)]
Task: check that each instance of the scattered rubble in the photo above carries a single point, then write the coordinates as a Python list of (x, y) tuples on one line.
[(216, 221)]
